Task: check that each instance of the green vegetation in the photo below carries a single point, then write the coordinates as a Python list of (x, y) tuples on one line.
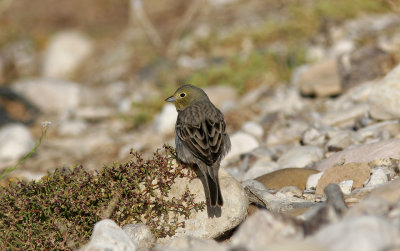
[(59, 211)]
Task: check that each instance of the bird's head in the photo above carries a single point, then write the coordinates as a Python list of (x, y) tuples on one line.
[(187, 95)]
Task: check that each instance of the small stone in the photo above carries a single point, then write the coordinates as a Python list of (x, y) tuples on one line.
[(64, 54), (241, 143), (300, 156), (346, 186), (16, 141), (107, 235), (339, 140), (378, 177), (313, 180), (72, 127), (291, 191), (345, 117), (321, 79), (260, 168), (312, 136), (358, 172), (165, 121), (140, 234), (254, 129)]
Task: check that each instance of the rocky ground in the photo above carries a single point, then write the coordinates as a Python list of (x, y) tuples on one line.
[(335, 119)]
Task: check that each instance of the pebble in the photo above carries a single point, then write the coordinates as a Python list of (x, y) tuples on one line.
[(300, 156)]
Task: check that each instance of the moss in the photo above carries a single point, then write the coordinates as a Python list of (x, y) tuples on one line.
[(59, 211)]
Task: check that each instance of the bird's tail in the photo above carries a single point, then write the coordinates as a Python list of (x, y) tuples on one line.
[(214, 189)]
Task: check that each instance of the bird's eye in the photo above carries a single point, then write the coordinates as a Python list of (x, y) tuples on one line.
[(182, 94)]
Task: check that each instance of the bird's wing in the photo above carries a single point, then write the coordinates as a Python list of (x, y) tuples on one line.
[(203, 135)]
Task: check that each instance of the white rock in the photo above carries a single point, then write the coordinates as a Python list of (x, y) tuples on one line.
[(72, 127), (52, 96), (211, 223), (16, 141), (260, 168), (312, 181), (165, 121), (313, 136), (254, 129), (140, 234), (367, 233), (384, 98), (186, 243), (107, 235), (64, 54), (346, 186), (378, 177), (241, 143), (262, 229), (300, 156)]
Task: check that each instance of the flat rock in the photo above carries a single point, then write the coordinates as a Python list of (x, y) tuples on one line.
[(287, 177), (385, 149), (357, 172), (140, 234)]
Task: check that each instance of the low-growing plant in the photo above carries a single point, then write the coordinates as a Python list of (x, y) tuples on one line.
[(59, 211)]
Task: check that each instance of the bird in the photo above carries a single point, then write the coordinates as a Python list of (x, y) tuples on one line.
[(200, 136)]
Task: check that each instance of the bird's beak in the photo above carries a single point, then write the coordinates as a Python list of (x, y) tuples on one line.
[(171, 99)]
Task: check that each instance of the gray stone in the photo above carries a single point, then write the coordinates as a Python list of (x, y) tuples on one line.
[(108, 236), (367, 233), (260, 168), (72, 127), (340, 140), (346, 186), (254, 129), (300, 156), (263, 228), (16, 141), (141, 235), (65, 53), (241, 143), (321, 79), (186, 243)]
